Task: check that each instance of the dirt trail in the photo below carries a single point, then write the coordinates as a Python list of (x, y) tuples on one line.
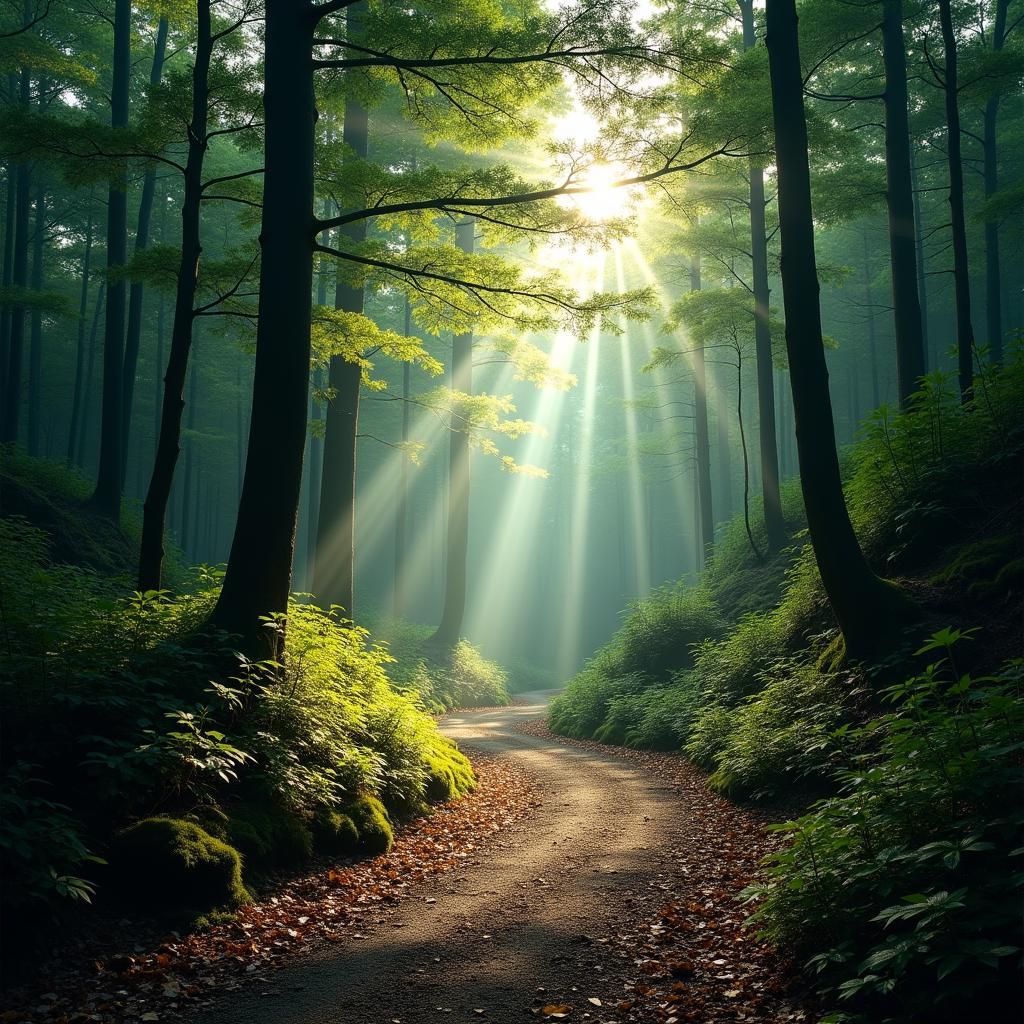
[(520, 918)]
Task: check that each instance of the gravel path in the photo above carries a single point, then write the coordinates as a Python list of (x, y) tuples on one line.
[(515, 930)]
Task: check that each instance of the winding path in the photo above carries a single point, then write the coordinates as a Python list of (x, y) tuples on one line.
[(523, 917)]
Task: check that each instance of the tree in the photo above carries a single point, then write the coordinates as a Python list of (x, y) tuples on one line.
[(863, 604)]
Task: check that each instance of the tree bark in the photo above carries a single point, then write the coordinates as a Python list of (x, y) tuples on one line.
[(134, 333), (457, 549), (186, 483), (107, 496), (703, 445), (910, 356), (19, 279), (993, 275), (876, 399), (83, 305), (922, 279), (334, 565), (961, 269), (83, 433), (258, 575), (399, 596), (168, 447), (863, 605), (35, 347), (775, 526)]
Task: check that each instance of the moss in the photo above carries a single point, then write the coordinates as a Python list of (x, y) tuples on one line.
[(987, 569), (449, 774), (269, 835), (334, 832), (165, 864), (372, 823)]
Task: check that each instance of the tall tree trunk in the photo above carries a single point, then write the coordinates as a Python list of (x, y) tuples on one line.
[(258, 573), (457, 549), (724, 442), (161, 327), (19, 277), (83, 433), (399, 596), (961, 269), (187, 544), (134, 333), (775, 526), (334, 565), (703, 444), (876, 399), (83, 305), (922, 279), (10, 189), (863, 604), (168, 446), (35, 347), (910, 358), (993, 290), (107, 496)]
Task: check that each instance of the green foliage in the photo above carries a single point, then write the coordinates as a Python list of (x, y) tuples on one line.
[(442, 679), (267, 834), (372, 823), (904, 876), (334, 832), (166, 864)]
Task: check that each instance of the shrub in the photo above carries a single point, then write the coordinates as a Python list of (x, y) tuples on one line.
[(268, 835), (372, 823), (905, 875), (334, 832), (166, 864)]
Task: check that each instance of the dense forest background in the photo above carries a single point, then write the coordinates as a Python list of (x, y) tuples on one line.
[(360, 362)]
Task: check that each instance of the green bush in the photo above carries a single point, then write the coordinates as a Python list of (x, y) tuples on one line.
[(372, 823), (170, 865), (911, 877), (268, 835), (334, 832)]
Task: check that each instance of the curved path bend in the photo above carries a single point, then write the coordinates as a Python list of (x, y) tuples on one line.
[(524, 916)]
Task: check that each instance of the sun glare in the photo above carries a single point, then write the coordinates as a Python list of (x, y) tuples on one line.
[(600, 198)]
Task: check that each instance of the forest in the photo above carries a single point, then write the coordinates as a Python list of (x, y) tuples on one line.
[(512, 509)]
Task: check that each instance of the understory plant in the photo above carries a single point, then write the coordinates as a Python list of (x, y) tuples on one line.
[(906, 885)]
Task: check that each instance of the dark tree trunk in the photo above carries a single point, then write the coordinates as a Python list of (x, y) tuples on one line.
[(862, 603), (168, 446), (190, 459), (457, 549), (869, 308), (700, 425), (724, 442), (19, 279), (961, 269), (107, 496), (775, 526), (83, 305), (258, 574), (83, 433), (35, 346), (10, 174), (400, 598), (993, 290), (134, 333), (334, 565), (922, 280), (910, 357)]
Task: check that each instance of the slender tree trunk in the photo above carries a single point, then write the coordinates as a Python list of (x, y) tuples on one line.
[(402, 505), (35, 347), (961, 269), (910, 357), (168, 446), (758, 554), (83, 305), (863, 604), (703, 445), (724, 442), (993, 289), (10, 188), (83, 434), (334, 566), (186, 484), (457, 549), (19, 279), (922, 279), (107, 496), (775, 526), (876, 400), (258, 574), (134, 333)]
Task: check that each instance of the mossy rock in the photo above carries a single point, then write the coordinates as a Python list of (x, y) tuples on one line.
[(335, 832), (372, 823), (449, 775), (165, 864), (269, 835)]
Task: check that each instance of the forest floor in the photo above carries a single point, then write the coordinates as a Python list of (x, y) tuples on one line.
[(578, 882)]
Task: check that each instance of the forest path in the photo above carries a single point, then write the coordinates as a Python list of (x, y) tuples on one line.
[(522, 916)]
